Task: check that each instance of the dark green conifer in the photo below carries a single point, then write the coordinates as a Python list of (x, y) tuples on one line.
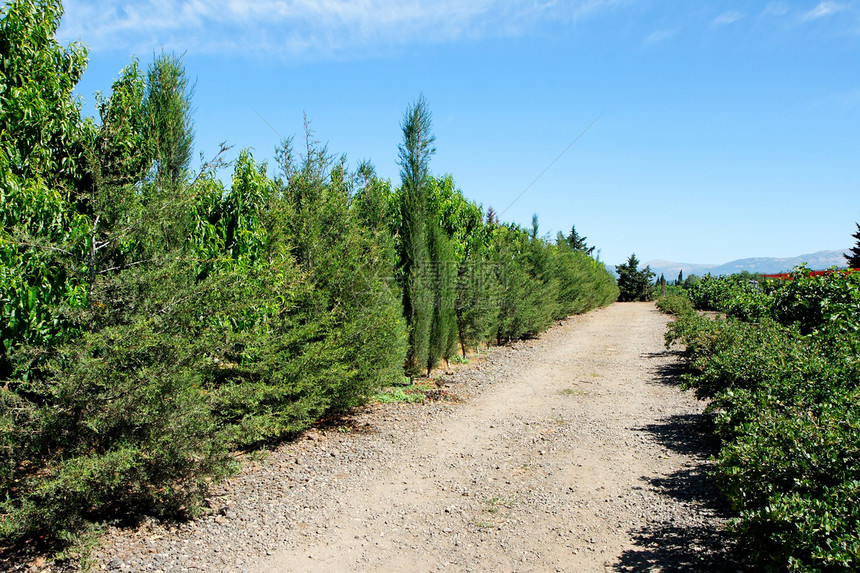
[(633, 283), (853, 255), (415, 268)]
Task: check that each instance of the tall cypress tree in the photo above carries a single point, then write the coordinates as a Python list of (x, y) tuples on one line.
[(415, 271), (169, 125), (853, 256)]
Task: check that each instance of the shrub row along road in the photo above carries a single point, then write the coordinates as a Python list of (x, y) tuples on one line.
[(574, 452)]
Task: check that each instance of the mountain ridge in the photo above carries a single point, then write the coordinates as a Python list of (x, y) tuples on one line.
[(818, 260)]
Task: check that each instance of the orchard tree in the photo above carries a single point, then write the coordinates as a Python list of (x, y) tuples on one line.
[(633, 283), (43, 181)]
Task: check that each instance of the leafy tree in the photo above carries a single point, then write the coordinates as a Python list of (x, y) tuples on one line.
[(120, 154), (680, 279), (415, 271), (374, 202), (853, 256), (477, 287), (634, 284), (40, 125), (43, 180)]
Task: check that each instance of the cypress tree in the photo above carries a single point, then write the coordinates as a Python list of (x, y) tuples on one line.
[(443, 329), (170, 128), (415, 272)]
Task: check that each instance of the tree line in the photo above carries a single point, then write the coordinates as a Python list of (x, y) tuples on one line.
[(153, 318)]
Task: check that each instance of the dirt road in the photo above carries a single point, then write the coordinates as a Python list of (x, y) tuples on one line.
[(574, 452)]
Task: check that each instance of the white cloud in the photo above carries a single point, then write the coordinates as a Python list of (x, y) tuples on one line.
[(727, 18), (823, 9), (308, 28), (775, 9), (660, 36)]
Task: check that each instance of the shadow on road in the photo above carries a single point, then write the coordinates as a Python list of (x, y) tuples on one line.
[(698, 541)]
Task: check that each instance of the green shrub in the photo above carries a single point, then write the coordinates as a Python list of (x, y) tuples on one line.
[(676, 303), (782, 373), (819, 302)]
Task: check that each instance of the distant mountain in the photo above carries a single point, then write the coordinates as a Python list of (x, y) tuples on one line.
[(764, 265)]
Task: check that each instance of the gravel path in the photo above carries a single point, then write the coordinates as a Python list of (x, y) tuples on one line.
[(574, 452)]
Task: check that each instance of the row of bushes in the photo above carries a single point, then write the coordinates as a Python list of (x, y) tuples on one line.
[(781, 369), (152, 319)]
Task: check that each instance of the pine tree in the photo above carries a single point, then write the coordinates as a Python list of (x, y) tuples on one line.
[(680, 280), (577, 242), (633, 283), (853, 256), (415, 271), (492, 218)]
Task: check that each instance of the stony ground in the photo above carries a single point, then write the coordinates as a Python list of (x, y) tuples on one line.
[(574, 452)]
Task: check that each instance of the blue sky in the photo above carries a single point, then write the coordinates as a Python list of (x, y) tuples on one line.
[(723, 130)]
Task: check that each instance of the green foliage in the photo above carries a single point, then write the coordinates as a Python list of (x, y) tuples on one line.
[(120, 153), (743, 295), (527, 303), (442, 273), (677, 303), (477, 288), (823, 302), (40, 129), (584, 283), (43, 237), (413, 393), (152, 321), (783, 376), (633, 284)]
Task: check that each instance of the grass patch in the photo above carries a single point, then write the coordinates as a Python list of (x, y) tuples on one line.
[(415, 393), (408, 393), (494, 513), (573, 392)]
